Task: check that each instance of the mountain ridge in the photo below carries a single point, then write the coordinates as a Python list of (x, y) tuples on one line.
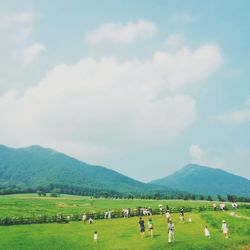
[(199, 179), (38, 166)]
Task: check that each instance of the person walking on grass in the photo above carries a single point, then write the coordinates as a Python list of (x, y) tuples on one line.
[(141, 227), (206, 232), (189, 219), (182, 215), (150, 227), (84, 218), (168, 216), (224, 229), (170, 231), (95, 237), (109, 214), (90, 220), (214, 206), (106, 215)]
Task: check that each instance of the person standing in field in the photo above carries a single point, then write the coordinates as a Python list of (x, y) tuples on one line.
[(214, 206), (168, 216), (84, 218), (161, 210), (150, 227), (189, 219), (182, 215), (206, 232), (224, 229), (141, 227), (95, 237), (222, 206), (90, 220), (109, 214), (170, 231), (106, 215)]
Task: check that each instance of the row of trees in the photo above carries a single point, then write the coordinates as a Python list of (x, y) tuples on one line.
[(55, 192), (56, 189)]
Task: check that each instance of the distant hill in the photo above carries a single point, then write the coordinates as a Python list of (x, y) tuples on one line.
[(205, 180), (37, 166)]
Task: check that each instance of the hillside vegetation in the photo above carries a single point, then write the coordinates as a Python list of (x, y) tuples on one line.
[(205, 180)]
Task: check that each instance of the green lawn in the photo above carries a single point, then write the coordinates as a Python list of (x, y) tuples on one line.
[(119, 233), (123, 234), (31, 204)]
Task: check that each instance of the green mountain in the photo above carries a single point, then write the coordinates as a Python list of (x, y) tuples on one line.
[(36, 166), (205, 180)]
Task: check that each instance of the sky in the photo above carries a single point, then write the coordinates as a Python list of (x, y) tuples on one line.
[(141, 87)]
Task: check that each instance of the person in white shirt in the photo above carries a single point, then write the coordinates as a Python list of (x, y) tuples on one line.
[(214, 206), (106, 215), (109, 214), (206, 232), (224, 229), (95, 237), (233, 205), (84, 218), (90, 220), (168, 216), (222, 206), (170, 231)]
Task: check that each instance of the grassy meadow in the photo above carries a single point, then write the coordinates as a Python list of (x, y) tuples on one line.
[(31, 204), (122, 233)]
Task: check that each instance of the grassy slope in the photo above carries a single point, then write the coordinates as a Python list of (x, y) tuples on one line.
[(123, 234)]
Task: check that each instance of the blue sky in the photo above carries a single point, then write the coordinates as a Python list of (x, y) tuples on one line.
[(141, 87)]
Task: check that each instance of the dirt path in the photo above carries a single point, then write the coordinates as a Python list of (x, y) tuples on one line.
[(233, 214)]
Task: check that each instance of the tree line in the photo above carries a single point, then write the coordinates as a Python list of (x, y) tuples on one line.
[(56, 189)]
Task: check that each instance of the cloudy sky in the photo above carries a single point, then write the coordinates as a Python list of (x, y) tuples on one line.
[(141, 87)]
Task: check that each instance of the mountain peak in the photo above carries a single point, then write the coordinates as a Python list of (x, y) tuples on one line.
[(207, 180), (196, 166), (38, 148), (38, 166)]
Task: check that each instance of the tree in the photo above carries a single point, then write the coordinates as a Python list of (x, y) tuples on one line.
[(39, 193), (231, 198), (193, 197), (187, 196), (209, 198), (55, 192), (220, 198), (130, 196), (202, 197)]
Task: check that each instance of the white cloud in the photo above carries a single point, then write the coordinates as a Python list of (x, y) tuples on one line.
[(174, 42), (17, 43), (17, 27), (21, 35), (201, 157), (17, 18), (237, 115), (30, 53), (121, 33), (197, 154), (103, 106)]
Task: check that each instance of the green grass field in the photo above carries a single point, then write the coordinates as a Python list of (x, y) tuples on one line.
[(31, 204), (120, 233)]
